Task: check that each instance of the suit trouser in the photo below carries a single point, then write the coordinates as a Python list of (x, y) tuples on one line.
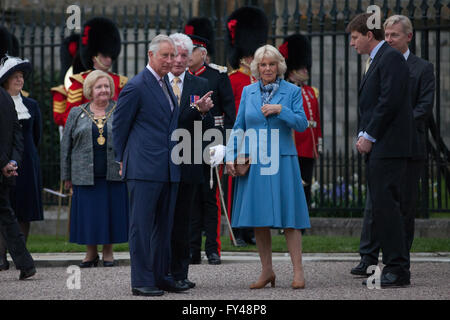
[(306, 169), (205, 215), (152, 206), (9, 227), (369, 247), (385, 220), (187, 194)]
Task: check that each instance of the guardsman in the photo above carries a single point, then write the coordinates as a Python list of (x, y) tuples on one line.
[(224, 115), (296, 49), (70, 64), (247, 30), (100, 47)]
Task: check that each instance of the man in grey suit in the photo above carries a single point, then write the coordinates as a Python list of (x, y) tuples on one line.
[(398, 33)]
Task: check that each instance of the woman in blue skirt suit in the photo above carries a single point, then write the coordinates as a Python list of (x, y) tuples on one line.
[(271, 194), (99, 213)]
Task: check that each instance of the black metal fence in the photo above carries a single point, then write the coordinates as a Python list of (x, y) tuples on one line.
[(339, 187)]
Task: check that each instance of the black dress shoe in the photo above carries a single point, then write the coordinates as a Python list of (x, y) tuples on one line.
[(361, 270), (174, 286), (240, 242), (147, 292), (90, 264), (4, 265), (189, 283), (214, 258), (392, 280), (24, 274), (108, 264)]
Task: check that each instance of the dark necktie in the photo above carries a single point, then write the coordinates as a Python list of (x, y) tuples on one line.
[(166, 92)]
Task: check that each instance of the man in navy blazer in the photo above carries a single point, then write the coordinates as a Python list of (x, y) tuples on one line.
[(187, 86), (398, 33), (386, 133), (144, 120)]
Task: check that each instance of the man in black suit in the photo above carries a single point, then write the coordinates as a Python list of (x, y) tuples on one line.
[(385, 137), (224, 114), (11, 148), (398, 33), (195, 102)]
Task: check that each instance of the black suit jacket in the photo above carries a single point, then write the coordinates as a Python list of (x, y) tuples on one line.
[(193, 173), (385, 107), (11, 139), (421, 86)]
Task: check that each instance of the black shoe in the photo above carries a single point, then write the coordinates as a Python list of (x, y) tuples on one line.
[(147, 291), (108, 264), (252, 241), (174, 286), (4, 264), (361, 269), (240, 242), (392, 280), (90, 264), (189, 283), (214, 258), (24, 274)]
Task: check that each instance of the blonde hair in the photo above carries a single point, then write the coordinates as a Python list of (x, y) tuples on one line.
[(403, 20), (92, 78), (270, 52)]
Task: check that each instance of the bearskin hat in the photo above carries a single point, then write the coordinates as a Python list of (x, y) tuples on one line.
[(5, 42), (99, 35), (247, 30), (296, 50), (201, 29), (70, 55)]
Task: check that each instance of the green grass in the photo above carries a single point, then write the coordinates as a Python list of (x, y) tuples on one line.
[(311, 244)]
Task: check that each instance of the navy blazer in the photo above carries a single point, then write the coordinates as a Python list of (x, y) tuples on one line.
[(193, 173), (385, 105), (142, 128), (422, 86)]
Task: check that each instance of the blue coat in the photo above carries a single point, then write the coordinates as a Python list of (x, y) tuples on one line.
[(250, 116), (142, 129), (271, 193)]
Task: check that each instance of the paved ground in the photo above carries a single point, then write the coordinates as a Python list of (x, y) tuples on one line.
[(327, 277)]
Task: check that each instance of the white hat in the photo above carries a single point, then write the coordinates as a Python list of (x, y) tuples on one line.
[(9, 65)]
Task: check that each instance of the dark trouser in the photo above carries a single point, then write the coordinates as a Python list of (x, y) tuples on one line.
[(184, 209), (245, 234), (389, 214), (152, 206), (14, 238), (205, 215), (306, 169)]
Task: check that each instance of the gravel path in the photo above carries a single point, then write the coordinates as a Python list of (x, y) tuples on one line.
[(230, 281)]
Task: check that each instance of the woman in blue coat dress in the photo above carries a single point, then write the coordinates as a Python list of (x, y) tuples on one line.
[(26, 197), (271, 194)]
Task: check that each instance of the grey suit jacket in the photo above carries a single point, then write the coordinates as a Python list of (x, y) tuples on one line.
[(77, 151)]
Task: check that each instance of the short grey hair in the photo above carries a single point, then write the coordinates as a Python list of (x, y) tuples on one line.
[(403, 20), (183, 41), (92, 78), (156, 43), (268, 51)]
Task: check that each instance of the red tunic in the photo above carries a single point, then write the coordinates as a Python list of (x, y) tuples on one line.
[(239, 79), (307, 142), (59, 95), (75, 95)]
